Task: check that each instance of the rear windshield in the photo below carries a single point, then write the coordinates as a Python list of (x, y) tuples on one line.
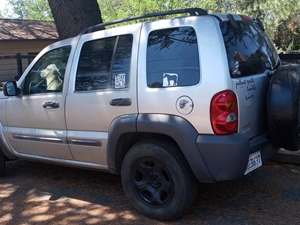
[(249, 50)]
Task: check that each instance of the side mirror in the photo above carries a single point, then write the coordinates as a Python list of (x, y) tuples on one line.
[(17, 77), (10, 88)]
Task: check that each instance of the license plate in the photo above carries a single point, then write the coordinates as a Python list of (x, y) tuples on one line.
[(254, 162)]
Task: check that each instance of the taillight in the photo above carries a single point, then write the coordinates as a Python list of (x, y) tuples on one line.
[(246, 18), (224, 113)]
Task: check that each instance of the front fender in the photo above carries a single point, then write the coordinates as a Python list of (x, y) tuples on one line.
[(4, 146)]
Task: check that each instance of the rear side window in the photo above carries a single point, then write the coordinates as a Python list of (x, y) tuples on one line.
[(104, 64), (249, 50), (172, 58)]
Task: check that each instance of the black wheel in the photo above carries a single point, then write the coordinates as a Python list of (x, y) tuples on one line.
[(157, 180), (2, 164)]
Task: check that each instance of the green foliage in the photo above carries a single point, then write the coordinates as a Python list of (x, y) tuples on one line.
[(31, 9), (112, 9), (280, 17)]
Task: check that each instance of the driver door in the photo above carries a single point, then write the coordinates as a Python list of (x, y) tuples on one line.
[(36, 119)]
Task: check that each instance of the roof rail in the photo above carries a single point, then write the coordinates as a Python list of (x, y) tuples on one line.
[(190, 11)]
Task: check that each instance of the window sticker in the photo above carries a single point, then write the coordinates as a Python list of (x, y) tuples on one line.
[(120, 80), (170, 79), (184, 105)]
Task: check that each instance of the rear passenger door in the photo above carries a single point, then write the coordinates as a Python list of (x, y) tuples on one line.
[(102, 88)]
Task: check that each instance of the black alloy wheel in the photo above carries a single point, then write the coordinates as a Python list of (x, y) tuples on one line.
[(152, 181), (157, 180)]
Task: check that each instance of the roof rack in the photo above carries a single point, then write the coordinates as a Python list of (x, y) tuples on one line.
[(190, 11)]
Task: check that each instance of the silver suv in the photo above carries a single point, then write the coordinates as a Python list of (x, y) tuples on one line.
[(166, 104)]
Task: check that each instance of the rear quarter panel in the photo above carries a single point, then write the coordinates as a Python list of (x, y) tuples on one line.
[(214, 75)]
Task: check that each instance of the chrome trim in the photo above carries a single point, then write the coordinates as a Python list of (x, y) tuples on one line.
[(64, 162), (85, 142), (39, 138), (73, 141)]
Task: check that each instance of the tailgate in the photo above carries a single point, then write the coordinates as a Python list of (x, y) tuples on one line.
[(251, 56), (251, 94)]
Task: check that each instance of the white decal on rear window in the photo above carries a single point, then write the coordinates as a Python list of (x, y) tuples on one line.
[(170, 79)]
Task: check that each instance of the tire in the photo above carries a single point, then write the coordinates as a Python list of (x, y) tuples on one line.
[(2, 164), (283, 107), (157, 180)]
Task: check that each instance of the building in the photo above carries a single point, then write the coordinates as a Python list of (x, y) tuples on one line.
[(20, 41)]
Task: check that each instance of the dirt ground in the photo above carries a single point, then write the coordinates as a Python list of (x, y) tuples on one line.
[(34, 193)]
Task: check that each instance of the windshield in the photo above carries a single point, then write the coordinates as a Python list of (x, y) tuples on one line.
[(249, 50)]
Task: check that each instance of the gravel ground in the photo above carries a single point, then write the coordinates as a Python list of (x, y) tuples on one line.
[(34, 193)]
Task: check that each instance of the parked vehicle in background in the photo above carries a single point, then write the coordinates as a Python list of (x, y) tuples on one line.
[(165, 104)]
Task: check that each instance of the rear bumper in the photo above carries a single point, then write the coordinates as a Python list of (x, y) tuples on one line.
[(226, 157)]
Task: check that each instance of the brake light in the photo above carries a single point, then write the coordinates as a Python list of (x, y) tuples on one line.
[(224, 113), (246, 18)]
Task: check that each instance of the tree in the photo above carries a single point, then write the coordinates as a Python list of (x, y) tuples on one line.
[(30, 9), (113, 9), (280, 17), (73, 16), (18, 7)]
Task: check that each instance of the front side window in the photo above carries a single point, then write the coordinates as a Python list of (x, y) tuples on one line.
[(104, 64), (249, 51), (47, 75), (172, 58)]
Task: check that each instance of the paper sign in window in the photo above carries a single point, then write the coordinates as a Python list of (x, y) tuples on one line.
[(120, 80)]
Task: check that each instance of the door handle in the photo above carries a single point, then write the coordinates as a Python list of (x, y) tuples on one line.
[(120, 102), (51, 105)]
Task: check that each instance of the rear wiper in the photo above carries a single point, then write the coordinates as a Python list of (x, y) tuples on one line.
[(272, 68), (277, 64)]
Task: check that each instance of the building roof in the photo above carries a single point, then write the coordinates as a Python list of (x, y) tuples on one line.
[(17, 29)]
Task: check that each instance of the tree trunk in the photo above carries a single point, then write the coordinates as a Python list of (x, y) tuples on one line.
[(73, 16)]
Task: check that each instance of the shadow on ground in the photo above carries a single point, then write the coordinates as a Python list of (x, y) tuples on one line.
[(34, 193)]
